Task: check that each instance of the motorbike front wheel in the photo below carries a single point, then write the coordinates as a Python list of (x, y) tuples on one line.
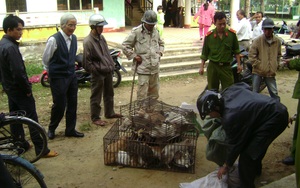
[(45, 80), (116, 78)]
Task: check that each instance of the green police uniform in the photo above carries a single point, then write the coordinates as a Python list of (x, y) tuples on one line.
[(295, 64), (220, 53)]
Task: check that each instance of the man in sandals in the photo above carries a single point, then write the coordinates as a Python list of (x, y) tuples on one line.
[(98, 61)]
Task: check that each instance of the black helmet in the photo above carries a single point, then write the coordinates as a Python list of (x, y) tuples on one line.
[(208, 101), (268, 24), (149, 17), (97, 20)]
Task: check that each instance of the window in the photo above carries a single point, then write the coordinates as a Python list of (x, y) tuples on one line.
[(99, 4), (75, 4), (62, 5), (13, 5)]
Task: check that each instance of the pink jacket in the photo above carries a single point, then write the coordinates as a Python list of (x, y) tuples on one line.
[(205, 16)]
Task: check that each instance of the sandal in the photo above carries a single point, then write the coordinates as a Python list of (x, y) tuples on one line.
[(99, 122), (51, 154)]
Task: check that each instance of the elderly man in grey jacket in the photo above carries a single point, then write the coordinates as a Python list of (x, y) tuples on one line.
[(145, 47)]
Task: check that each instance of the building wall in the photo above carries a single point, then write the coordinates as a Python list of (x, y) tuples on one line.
[(42, 17)]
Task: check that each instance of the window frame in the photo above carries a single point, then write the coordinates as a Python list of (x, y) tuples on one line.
[(82, 5)]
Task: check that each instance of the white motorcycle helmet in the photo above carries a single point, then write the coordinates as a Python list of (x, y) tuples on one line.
[(97, 20)]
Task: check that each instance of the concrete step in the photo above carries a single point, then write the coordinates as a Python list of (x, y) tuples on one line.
[(169, 68), (173, 60), (182, 50), (168, 46), (165, 74)]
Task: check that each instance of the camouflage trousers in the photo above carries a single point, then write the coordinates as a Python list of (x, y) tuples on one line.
[(148, 86)]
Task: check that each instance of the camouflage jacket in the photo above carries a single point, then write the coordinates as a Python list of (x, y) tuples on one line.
[(146, 44)]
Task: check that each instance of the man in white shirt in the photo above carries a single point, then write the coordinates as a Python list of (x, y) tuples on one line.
[(243, 29), (257, 30)]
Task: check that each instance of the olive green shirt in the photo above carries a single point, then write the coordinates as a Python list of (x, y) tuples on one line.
[(220, 50), (295, 64)]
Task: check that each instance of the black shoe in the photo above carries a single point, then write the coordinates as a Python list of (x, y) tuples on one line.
[(51, 135), (289, 161), (74, 134)]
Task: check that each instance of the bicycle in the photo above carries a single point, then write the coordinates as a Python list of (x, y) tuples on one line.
[(23, 173), (22, 142)]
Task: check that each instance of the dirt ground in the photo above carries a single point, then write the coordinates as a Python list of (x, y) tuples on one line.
[(80, 163)]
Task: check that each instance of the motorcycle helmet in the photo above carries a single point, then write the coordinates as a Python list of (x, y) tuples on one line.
[(149, 17), (209, 101), (268, 24), (97, 20)]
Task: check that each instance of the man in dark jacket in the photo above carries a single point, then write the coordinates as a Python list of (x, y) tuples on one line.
[(59, 61), (251, 122), (15, 82), (98, 61)]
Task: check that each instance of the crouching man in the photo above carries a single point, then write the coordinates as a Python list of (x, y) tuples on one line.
[(251, 122)]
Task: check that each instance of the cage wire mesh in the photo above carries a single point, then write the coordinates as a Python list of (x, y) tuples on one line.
[(153, 135)]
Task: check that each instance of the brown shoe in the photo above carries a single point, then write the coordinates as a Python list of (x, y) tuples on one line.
[(114, 116), (99, 122)]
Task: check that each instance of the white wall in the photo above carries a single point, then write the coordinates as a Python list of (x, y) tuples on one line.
[(2, 6), (41, 5)]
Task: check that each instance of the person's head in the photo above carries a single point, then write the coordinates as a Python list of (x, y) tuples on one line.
[(259, 17), (268, 28), (220, 21), (68, 23), (149, 19), (13, 26), (210, 103), (206, 4), (159, 8), (240, 14), (96, 22)]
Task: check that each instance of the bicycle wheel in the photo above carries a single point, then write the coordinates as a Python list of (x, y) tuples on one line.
[(24, 174), (30, 142)]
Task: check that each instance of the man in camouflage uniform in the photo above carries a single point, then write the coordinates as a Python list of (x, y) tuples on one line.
[(219, 47), (145, 47)]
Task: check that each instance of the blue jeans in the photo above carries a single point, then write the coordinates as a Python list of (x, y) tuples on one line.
[(270, 82)]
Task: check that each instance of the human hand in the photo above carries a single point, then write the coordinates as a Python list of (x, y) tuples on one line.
[(222, 171), (285, 62), (293, 118), (239, 68), (201, 70), (138, 59)]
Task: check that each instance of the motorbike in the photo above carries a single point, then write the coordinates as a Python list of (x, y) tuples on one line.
[(291, 51), (283, 29), (84, 77), (246, 74)]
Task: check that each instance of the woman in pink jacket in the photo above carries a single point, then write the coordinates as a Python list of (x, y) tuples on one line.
[(205, 13)]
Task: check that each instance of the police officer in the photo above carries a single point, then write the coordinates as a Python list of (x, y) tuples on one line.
[(145, 47), (219, 47)]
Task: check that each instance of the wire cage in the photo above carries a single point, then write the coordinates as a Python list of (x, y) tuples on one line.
[(153, 135)]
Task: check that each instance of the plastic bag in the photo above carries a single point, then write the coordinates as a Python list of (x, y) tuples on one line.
[(231, 180)]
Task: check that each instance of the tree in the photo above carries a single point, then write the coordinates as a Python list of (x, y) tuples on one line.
[(262, 5), (247, 7)]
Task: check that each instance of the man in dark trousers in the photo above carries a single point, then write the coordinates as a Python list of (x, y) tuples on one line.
[(59, 61), (15, 82), (98, 61), (251, 122)]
